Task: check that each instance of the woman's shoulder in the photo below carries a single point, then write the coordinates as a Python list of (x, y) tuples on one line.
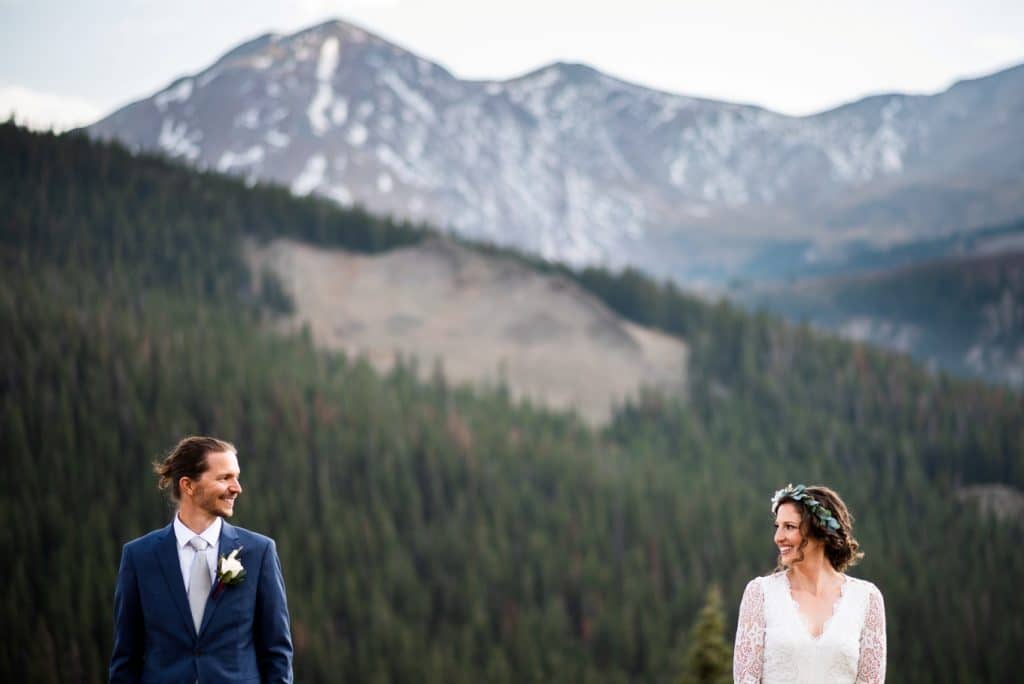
[(863, 586), (763, 582)]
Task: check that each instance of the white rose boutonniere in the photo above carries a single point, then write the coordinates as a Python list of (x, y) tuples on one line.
[(229, 570)]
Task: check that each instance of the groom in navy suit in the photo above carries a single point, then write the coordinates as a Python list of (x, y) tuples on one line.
[(186, 608)]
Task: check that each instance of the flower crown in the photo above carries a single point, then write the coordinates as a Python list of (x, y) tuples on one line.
[(799, 493)]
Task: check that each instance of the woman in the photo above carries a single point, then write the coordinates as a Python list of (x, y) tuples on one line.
[(809, 622)]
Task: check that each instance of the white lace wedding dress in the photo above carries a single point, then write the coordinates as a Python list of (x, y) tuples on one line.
[(774, 646)]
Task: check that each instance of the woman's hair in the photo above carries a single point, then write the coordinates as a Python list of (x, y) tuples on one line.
[(841, 548), (187, 459)]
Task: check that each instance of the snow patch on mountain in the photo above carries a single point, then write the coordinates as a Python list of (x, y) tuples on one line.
[(312, 175), (677, 171), (277, 138), (178, 141), (357, 135), (324, 97), (339, 193), (232, 160), (409, 96), (250, 118), (339, 112), (208, 76), (328, 63), (405, 172), (317, 111), (178, 93)]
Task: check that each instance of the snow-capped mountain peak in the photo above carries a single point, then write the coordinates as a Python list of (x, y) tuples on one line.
[(567, 161)]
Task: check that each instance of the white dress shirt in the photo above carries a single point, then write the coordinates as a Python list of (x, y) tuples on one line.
[(186, 554)]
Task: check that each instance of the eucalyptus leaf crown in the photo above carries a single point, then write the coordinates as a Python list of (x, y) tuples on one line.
[(824, 517)]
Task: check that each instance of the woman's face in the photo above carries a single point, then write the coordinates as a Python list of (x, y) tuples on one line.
[(788, 536)]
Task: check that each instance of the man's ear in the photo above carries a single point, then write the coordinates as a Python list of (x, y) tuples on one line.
[(185, 485)]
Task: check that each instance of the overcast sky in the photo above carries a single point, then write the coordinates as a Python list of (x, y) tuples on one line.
[(70, 62)]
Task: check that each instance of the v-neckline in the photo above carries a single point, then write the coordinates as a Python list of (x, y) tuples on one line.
[(799, 614)]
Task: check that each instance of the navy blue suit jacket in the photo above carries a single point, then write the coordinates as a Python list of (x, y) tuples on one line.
[(244, 637)]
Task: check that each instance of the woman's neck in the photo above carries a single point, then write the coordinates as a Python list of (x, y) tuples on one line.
[(813, 574)]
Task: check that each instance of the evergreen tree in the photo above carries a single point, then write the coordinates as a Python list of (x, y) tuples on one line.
[(709, 660)]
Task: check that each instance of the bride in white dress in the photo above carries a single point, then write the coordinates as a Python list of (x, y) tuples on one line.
[(810, 622)]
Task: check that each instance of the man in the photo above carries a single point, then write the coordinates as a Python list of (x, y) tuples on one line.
[(184, 610)]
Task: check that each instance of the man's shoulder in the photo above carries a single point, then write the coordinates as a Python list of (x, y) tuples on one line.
[(251, 539), (148, 539), (248, 538)]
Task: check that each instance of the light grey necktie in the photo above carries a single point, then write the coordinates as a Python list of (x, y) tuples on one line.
[(199, 581)]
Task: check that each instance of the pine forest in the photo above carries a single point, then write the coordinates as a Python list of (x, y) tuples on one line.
[(439, 533)]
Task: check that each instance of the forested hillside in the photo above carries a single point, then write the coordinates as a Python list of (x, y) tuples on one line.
[(963, 314), (432, 533)]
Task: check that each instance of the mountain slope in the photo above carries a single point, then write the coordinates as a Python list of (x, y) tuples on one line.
[(485, 319), (574, 165), (962, 314)]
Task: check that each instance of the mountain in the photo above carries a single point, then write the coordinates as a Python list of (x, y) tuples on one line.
[(574, 165)]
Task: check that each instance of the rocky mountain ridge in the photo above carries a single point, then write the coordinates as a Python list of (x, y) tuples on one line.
[(575, 165)]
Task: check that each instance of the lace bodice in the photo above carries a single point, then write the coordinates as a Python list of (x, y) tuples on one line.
[(774, 646)]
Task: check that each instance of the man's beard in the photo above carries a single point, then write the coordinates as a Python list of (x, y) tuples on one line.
[(215, 505)]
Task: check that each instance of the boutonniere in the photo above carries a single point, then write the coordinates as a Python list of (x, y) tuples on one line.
[(229, 571)]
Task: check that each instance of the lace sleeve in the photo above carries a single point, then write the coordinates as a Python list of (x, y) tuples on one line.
[(748, 654), (871, 667)]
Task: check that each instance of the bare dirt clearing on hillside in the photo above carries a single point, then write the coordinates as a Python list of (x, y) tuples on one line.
[(485, 318)]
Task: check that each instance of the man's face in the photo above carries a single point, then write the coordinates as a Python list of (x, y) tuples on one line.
[(217, 488)]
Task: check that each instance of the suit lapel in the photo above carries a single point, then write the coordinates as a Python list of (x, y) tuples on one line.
[(228, 543), (170, 565)]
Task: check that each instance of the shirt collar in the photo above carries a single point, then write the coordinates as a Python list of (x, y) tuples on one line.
[(184, 535)]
